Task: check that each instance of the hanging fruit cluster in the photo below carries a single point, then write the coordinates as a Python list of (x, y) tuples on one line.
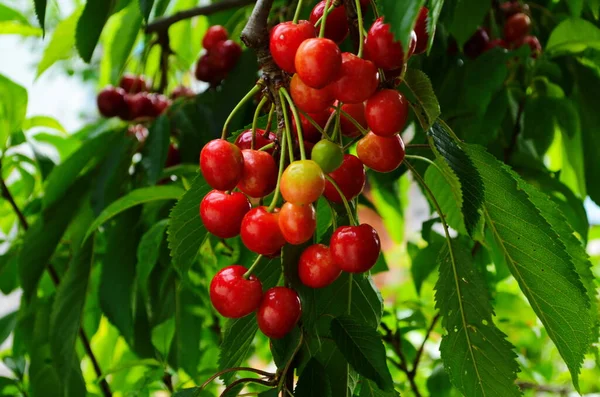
[(220, 56)]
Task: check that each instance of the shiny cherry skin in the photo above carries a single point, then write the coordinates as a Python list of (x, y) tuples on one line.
[(215, 34), (310, 100), (226, 54), (138, 105), (357, 112), (309, 131), (383, 50), (516, 27), (387, 112), (111, 101), (357, 80), (533, 43), (476, 44), (207, 71), (232, 295), (222, 164), (381, 154), (318, 62), (222, 213), (355, 249), (316, 267), (328, 155), (133, 84), (350, 178), (260, 173), (279, 312), (336, 27), (244, 140), (260, 231), (284, 41), (302, 182), (297, 222), (421, 31)]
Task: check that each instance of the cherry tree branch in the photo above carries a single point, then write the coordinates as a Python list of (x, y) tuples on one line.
[(352, 16)]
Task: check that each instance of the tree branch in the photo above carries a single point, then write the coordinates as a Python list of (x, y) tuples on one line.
[(8, 196), (394, 339), (352, 16), (434, 320)]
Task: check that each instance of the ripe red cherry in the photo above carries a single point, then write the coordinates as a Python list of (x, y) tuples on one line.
[(421, 31), (222, 164), (260, 231), (222, 213), (309, 131), (350, 178), (476, 43), (336, 27), (379, 153), (302, 182), (244, 140), (357, 112), (173, 156), (355, 249), (207, 71), (225, 54), (297, 222), (160, 103), (232, 295), (533, 43), (310, 100), (260, 173), (316, 267), (279, 311), (318, 62), (382, 49), (496, 43), (285, 40), (214, 35), (133, 84), (387, 112), (516, 27), (138, 105), (182, 91), (357, 79), (111, 101)]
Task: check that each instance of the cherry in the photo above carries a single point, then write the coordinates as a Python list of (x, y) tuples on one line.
[(533, 43), (133, 84), (173, 156), (260, 231), (279, 311), (244, 140), (318, 62), (383, 50), (317, 268), (382, 154), (222, 213), (512, 7), (138, 105), (234, 296), (111, 101), (496, 43), (182, 91), (476, 43), (357, 112), (421, 31), (297, 222), (336, 27), (215, 34), (516, 27), (350, 178), (284, 41), (160, 103), (207, 71), (357, 79), (310, 100), (355, 249), (260, 173), (302, 182), (309, 131), (225, 54), (328, 155), (386, 112), (222, 164)]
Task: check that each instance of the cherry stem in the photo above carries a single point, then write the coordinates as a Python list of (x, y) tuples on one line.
[(236, 369), (361, 29), (297, 13), (324, 18), (353, 121), (374, 7), (246, 380), (269, 121), (267, 147), (328, 124), (313, 122), (425, 159), (245, 99), (287, 129), (298, 121), (352, 142), (252, 267), (255, 120), (346, 205), (284, 139)]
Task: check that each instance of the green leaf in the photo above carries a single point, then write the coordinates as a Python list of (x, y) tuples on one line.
[(7, 325), (424, 260), (148, 252), (438, 383), (435, 9), (146, 8), (13, 106), (40, 11), (362, 347), (10, 14), (386, 199), (401, 15), (136, 197), (313, 381), (572, 36), (43, 121), (537, 258), (61, 44), (156, 149), (447, 190), (468, 15), (427, 108), (370, 389), (188, 322), (576, 6), (594, 6), (12, 27), (90, 25), (476, 355)]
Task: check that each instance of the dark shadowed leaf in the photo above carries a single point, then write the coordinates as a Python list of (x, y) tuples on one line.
[(313, 381), (90, 25)]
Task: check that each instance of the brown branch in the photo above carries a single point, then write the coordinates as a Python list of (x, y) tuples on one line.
[(563, 391), (8, 196), (420, 351), (352, 16), (165, 52), (395, 340)]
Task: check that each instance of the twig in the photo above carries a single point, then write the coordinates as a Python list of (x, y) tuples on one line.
[(508, 152), (563, 391), (434, 320), (7, 195), (168, 381), (395, 340), (165, 52)]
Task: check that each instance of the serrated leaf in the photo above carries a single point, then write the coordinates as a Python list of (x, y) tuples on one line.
[(468, 15), (146, 8), (572, 36), (90, 25), (156, 149), (435, 9), (401, 15), (448, 192), (13, 106), (362, 347), (40, 11), (426, 107), (61, 44), (370, 389), (313, 381), (537, 258)]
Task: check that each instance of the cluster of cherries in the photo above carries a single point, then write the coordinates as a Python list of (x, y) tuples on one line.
[(220, 56)]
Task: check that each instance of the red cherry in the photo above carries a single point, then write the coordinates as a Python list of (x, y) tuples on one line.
[(476, 44), (533, 43), (111, 101), (207, 71), (336, 27), (160, 103), (382, 154), (215, 34), (357, 112), (317, 268), (318, 62), (173, 156), (222, 164), (355, 249), (357, 79), (260, 173), (297, 222), (387, 112), (222, 213), (516, 27), (279, 311), (232, 295), (133, 84), (496, 43), (365, 3), (244, 140), (225, 54), (309, 131), (138, 105), (284, 42), (421, 31), (260, 231), (182, 92), (310, 100), (302, 182), (350, 178), (382, 49)]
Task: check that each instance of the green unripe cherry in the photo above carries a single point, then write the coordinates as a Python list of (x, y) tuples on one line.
[(328, 155)]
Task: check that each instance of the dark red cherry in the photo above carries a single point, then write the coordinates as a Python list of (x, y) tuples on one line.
[(215, 34), (357, 112), (225, 55), (260, 173), (355, 249), (309, 131), (512, 7), (387, 112), (382, 154), (284, 41), (173, 156), (310, 100), (222, 164), (350, 178), (476, 44), (496, 43), (297, 222), (244, 140), (160, 103), (207, 71), (383, 49), (182, 92), (222, 213), (336, 27), (133, 84), (260, 231), (357, 79), (316, 267), (279, 311), (138, 105), (533, 43), (421, 31), (516, 27), (232, 295), (111, 101), (318, 62)]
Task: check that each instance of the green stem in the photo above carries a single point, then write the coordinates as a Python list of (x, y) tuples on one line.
[(425, 159), (346, 205), (324, 18), (313, 122), (353, 121), (255, 120), (350, 281), (288, 130), (254, 265), (298, 121), (297, 13), (267, 147), (361, 30), (281, 165), (245, 99), (269, 121)]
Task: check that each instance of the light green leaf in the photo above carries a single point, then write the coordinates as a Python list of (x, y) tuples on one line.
[(40, 11), (401, 15), (43, 121), (10, 14), (13, 106), (447, 190), (572, 36), (468, 15), (435, 9), (313, 381), (7, 325), (90, 25), (13, 27), (576, 6), (370, 389), (426, 107), (61, 44)]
